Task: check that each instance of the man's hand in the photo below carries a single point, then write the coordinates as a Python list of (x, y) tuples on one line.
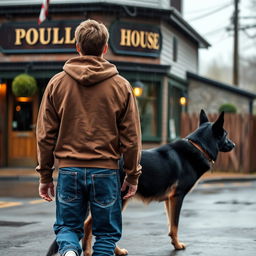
[(132, 189), (44, 191)]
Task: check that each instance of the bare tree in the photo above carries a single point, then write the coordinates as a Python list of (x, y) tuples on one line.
[(219, 72), (248, 75)]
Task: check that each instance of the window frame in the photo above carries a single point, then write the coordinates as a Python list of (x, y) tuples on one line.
[(150, 78), (182, 86)]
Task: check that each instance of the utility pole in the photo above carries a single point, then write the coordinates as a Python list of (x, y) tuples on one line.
[(236, 44)]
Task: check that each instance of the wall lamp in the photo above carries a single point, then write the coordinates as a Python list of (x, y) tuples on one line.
[(3, 88), (183, 99), (138, 87)]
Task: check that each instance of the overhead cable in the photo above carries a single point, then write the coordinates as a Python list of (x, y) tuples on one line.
[(211, 12)]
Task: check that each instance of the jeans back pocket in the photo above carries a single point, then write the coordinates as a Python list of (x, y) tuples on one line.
[(67, 185), (105, 188)]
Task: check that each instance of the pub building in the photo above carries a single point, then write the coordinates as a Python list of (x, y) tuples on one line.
[(150, 43)]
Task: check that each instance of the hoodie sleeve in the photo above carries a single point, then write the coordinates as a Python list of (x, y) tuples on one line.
[(130, 139), (46, 135)]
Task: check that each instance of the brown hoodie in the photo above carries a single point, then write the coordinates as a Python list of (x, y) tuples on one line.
[(88, 118)]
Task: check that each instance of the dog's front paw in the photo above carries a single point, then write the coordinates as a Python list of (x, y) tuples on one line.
[(119, 251), (179, 246)]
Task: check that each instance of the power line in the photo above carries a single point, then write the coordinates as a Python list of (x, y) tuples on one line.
[(247, 27), (223, 38), (247, 17), (249, 35), (242, 27), (211, 12), (215, 31), (204, 9)]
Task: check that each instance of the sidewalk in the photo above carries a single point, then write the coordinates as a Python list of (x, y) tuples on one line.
[(215, 177), (208, 177), (13, 173)]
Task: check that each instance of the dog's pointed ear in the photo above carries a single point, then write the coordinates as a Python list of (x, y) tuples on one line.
[(218, 124), (203, 117)]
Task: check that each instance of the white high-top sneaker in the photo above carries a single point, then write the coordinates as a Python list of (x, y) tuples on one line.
[(70, 253)]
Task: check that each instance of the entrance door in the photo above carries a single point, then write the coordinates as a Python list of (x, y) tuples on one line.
[(21, 131)]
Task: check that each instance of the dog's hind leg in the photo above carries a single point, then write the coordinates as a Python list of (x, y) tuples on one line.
[(87, 239), (173, 206)]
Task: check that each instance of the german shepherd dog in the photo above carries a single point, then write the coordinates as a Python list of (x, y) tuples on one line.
[(169, 172)]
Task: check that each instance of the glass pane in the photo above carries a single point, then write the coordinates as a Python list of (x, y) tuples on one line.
[(22, 116), (148, 107), (175, 113)]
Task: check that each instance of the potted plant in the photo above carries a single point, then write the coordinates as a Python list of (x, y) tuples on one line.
[(24, 85)]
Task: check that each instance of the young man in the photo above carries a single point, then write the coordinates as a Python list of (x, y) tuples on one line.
[(88, 120)]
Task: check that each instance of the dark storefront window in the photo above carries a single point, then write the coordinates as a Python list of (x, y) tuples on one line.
[(176, 93), (148, 104), (22, 116)]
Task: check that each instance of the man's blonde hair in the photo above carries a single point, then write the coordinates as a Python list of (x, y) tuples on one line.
[(91, 37)]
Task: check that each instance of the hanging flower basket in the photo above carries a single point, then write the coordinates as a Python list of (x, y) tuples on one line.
[(24, 85)]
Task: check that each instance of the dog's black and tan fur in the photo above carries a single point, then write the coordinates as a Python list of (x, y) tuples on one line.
[(169, 172)]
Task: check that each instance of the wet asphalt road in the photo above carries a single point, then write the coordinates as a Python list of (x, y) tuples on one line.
[(216, 220)]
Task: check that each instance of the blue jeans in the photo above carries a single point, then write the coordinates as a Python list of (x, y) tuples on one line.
[(76, 189)]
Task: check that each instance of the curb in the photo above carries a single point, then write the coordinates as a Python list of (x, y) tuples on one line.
[(18, 178), (203, 181), (227, 180), (21, 178)]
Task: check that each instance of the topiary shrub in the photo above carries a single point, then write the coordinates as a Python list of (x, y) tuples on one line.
[(24, 85), (227, 108)]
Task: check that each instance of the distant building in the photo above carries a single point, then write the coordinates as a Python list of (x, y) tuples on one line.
[(150, 43)]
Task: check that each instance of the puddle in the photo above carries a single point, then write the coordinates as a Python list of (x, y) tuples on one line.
[(14, 223), (235, 202)]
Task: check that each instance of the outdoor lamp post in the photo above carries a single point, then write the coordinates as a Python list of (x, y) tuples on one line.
[(138, 87)]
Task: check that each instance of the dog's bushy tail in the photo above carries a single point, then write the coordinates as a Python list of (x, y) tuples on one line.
[(53, 250)]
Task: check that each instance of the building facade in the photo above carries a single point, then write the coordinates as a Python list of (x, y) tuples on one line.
[(150, 43)]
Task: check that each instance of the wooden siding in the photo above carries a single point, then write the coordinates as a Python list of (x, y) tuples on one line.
[(161, 4), (187, 52), (241, 129)]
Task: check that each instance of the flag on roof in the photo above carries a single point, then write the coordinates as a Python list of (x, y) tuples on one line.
[(44, 11)]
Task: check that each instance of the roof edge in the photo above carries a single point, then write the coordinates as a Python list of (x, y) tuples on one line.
[(182, 23), (221, 85)]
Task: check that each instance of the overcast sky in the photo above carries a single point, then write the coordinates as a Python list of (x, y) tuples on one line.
[(213, 28)]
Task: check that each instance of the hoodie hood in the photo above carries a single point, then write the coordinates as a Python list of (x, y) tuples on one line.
[(89, 70)]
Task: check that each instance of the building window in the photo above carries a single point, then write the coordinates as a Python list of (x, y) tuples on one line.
[(22, 116), (148, 104), (176, 107), (175, 49)]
